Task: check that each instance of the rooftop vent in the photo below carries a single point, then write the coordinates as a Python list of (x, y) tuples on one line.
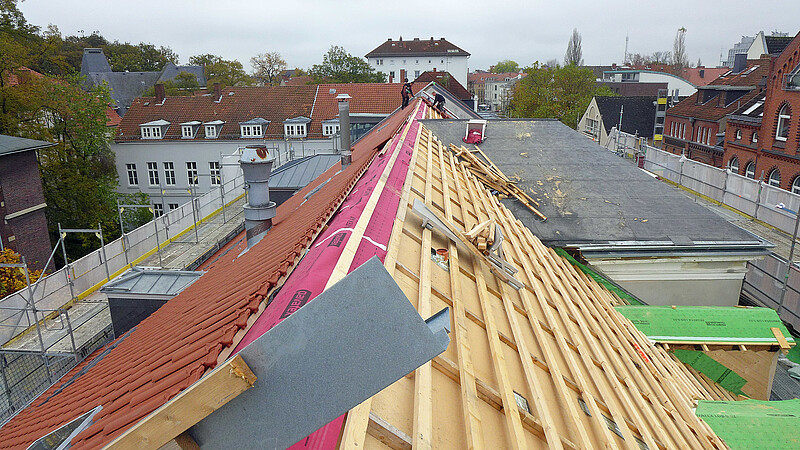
[(259, 211), (344, 127)]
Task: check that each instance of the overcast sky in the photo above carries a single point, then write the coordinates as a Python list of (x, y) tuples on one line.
[(525, 31)]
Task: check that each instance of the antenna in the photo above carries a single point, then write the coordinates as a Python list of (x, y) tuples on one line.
[(626, 49)]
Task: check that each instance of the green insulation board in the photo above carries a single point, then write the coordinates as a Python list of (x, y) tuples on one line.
[(754, 424), (599, 278), (706, 324), (714, 370)]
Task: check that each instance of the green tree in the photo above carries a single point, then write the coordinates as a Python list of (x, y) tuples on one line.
[(267, 67), (218, 70), (138, 58), (562, 93), (338, 66), (505, 66), (184, 84)]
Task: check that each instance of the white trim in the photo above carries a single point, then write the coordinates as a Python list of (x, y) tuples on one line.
[(22, 212)]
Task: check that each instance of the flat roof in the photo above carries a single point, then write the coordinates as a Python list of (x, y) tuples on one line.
[(592, 197)]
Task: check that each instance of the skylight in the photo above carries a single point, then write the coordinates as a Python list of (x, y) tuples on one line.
[(755, 106), (61, 437)]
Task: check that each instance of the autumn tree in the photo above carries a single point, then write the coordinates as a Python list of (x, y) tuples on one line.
[(562, 93), (679, 57), (12, 279), (267, 67), (224, 72), (184, 84), (574, 55), (338, 66), (505, 66)]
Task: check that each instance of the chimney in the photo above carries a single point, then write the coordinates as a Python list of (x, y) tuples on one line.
[(739, 62), (217, 92), (391, 78), (402, 75), (344, 129), (702, 73), (161, 94), (256, 164)]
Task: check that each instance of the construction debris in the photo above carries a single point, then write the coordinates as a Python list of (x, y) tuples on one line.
[(493, 178)]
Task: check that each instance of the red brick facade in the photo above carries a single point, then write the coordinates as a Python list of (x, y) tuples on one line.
[(769, 153), (21, 189)]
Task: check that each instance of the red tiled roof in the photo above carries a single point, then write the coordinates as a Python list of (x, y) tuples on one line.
[(237, 104), (297, 81), (417, 47), (273, 103), (447, 81), (112, 118), (18, 76), (712, 110), (690, 74), (177, 344)]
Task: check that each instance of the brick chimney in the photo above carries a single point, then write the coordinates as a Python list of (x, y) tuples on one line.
[(161, 94), (217, 92), (391, 79), (402, 75)]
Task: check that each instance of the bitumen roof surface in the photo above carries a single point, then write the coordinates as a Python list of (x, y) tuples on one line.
[(13, 144), (589, 195)]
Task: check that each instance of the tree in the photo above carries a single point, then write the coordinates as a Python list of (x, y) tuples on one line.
[(505, 66), (218, 70), (12, 279), (679, 57), (555, 92), (661, 57), (184, 84), (138, 58), (699, 62), (267, 67), (574, 55), (338, 66)]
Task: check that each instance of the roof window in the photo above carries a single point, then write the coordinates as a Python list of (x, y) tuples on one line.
[(63, 436)]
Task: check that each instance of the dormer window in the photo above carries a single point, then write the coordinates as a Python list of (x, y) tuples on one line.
[(253, 128), (330, 127), (212, 129), (296, 127), (189, 129), (154, 130)]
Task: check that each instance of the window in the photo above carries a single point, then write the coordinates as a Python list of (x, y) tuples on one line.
[(782, 131), (380, 62), (416, 74), (738, 134), (173, 206), (191, 173), (733, 165), (169, 173), (417, 62), (391, 74), (133, 177), (213, 169), (294, 129), (151, 132), (211, 131), (329, 129), (152, 173), (683, 131), (187, 131), (774, 178), (158, 209), (754, 137), (391, 61), (404, 61), (251, 131), (750, 170)]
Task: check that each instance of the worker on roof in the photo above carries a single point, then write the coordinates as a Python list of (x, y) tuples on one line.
[(438, 101), (406, 93)]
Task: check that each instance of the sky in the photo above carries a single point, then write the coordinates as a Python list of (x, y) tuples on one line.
[(524, 31)]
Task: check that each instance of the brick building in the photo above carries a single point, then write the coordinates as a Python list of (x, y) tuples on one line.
[(763, 139), (696, 125), (23, 227)]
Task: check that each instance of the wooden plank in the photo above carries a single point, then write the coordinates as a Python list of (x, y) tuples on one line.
[(197, 401), (785, 347), (388, 434)]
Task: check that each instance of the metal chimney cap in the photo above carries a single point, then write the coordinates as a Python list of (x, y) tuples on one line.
[(255, 154), (342, 97)]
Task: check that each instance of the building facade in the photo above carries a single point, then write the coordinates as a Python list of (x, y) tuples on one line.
[(696, 126), (23, 227), (763, 136), (417, 56)]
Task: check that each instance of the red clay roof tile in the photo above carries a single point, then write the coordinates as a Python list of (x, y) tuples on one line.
[(177, 344)]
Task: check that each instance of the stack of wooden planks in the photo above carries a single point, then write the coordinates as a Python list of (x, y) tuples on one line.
[(482, 235), (493, 178)]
